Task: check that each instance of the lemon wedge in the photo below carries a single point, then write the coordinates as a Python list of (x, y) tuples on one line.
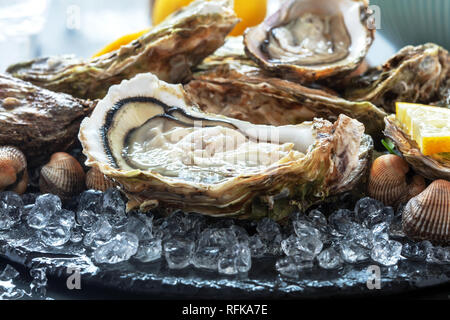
[(429, 126), (122, 41)]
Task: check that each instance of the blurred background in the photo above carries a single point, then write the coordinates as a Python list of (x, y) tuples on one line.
[(32, 28)]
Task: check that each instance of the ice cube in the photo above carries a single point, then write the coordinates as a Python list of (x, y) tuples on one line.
[(210, 244), (235, 259), (112, 202), (341, 220), (417, 251), (352, 253), (439, 255), (139, 228), (306, 247), (305, 228), (9, 273), (100, 233), (206, 257), (317, 218), (55, 235), (11, 206), (38, 285), (86, 218), (359, 235), (120, 248), (291, 266), (380, 232), (329, 259), (89, 200), (257, 247), (241, 234), (46, 205), (268, 229), (178, 253), (77, 235), (149, 250), (386, 252), (58, 230), (370, 212)]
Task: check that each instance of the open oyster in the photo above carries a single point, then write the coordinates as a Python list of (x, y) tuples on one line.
[(415, 74), (231, 85), (161, 149), (431, 167), (168, 50), (38, 121), (312, 39)]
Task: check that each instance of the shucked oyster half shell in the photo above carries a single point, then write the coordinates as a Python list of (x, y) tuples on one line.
[(415, 74), (428, 166), (161, 149), (308, 40), (230, 84), (168, 50)]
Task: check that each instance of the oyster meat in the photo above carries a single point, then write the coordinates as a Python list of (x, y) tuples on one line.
[(151, 140), (230, 84), (38, 121), (415, 74), (431, 167), (309, 40), (168, 50)]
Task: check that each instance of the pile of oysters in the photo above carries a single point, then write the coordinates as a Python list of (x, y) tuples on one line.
[(278, 120)]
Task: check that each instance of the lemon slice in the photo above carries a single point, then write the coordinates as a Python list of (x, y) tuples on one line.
[(429, 126)]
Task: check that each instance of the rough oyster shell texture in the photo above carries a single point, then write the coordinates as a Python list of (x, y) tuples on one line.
[(415, 74), (38, 121), (309, 40), (169, 50), (429, 167), (326, 158), (230, 84)]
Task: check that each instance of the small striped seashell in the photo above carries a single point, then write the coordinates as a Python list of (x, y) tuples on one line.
[(427, 216), (97, 181), (63, 176), (13, 170), (388, 182)]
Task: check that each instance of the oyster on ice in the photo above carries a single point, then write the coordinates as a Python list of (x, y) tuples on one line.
[(168, 50), (161, 149), (309, 40), (431, 167), (232, 85), (38, 121), (415, 74)]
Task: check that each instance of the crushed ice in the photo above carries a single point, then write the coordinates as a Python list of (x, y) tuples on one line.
[(99, 226)]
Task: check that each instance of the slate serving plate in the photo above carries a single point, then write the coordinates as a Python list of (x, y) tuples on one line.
[(155, 280)]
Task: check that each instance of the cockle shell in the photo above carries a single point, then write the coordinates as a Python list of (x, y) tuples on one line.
[(62, 176), (388, 181), (13, 170), (427, 216), (98, 181)]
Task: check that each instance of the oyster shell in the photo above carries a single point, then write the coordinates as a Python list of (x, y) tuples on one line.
[(234, 86), (415, 74), (309, 40), (147, 136), (168, 50), (38, 121), (430, 167)]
